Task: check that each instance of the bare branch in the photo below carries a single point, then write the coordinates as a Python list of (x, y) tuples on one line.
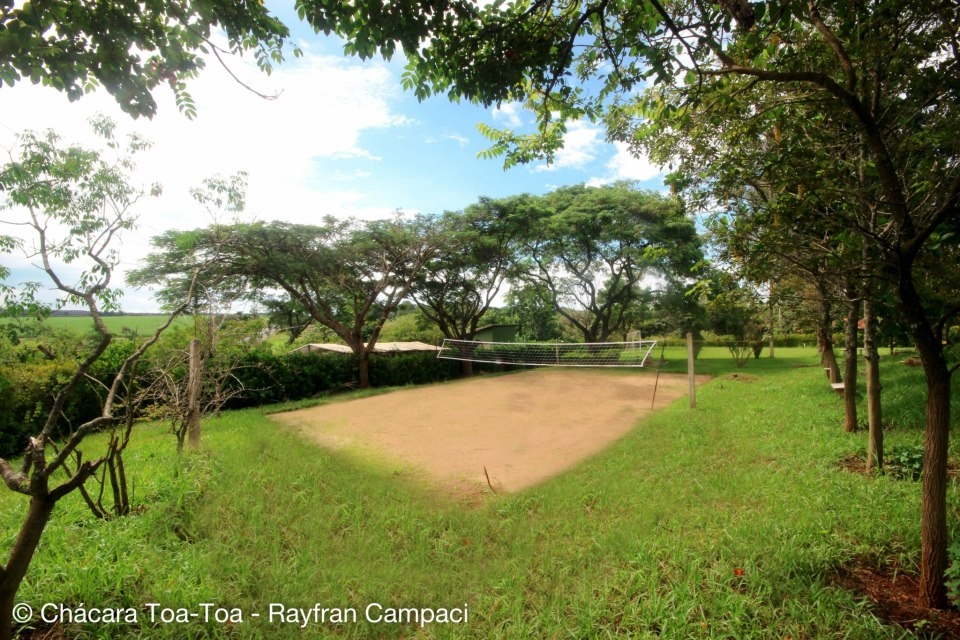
[(15, 480), (243, 84), (84, 471)]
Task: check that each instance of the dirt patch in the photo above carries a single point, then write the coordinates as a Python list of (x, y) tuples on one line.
[(857, 463), (741, 377), (893, 592), (854, 463), (516, 429), (894, 596)]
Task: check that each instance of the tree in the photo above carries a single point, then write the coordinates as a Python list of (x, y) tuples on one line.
[(191, 381), (457, 287), (867, 121), (286, 314), (409, 324), (75, 203), (131, 49), (193, 372), (734, 310), (677, 308), (592, 247), (350, 276), (530, 305)]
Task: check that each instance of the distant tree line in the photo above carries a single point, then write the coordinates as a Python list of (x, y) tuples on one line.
[(583, 253)]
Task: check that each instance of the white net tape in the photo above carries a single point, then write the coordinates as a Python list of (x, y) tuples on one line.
[(562, 354)]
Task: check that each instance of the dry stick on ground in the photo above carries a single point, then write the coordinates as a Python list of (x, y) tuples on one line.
[(489, 484)]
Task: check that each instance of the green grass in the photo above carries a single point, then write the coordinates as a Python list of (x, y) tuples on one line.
[(645, 540), (143, 325)]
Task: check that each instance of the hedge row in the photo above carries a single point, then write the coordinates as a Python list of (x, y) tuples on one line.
[(781, 340), (26, 396), (27, 389), (268, 378)]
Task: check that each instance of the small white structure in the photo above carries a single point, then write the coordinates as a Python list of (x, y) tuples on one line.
[(380, 347)]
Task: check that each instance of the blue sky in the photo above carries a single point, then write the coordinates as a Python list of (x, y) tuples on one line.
[(342, 138)]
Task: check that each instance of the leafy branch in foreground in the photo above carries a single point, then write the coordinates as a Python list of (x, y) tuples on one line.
[(131, 49)]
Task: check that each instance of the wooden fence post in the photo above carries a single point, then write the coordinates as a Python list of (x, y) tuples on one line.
[(691, 373), (194, 381)]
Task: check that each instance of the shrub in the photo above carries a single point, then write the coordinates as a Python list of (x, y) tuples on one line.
[(905, 462), (952, 574), (411, 368), (27, 391), (269, 378), (739, 351)]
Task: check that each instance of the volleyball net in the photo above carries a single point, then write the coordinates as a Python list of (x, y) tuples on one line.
[(635, 353)]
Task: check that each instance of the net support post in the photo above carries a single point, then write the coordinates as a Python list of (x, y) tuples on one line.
[(691, 373)]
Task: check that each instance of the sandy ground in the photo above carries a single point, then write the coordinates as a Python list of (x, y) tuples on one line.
[(523, 427)]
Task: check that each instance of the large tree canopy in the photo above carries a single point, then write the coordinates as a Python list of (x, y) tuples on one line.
[(350, 276), (459, 284), (592, 247), (129, 47)]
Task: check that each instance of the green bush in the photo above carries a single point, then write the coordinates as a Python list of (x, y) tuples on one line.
[(13, 436), (906, 462), (800, 340), (27, 389), (269, 378), (27, 392), (952, 574), (781, 340), (412, 368)]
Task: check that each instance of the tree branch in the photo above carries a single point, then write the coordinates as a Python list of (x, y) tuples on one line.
[(889, 178), (14, 479), (835, 44), (948, 209), (84, 471)]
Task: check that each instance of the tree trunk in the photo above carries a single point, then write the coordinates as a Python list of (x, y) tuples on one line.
[(871, 357), (830, 361), (850, 361), (364, 368), (933, 550), (825, 340), (194, 383), (773, 322), (38, 515), (933, 525), (466, 368)]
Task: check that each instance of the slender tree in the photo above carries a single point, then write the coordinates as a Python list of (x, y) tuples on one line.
[(75, 203)]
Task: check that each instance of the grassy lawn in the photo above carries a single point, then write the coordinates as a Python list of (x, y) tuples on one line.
[(726, 521), (143, 325)]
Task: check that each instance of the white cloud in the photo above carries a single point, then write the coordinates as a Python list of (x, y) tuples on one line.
[(462, 141), (581, 143), (625, 165), (509, 113), (324, 105), (347, 176)]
